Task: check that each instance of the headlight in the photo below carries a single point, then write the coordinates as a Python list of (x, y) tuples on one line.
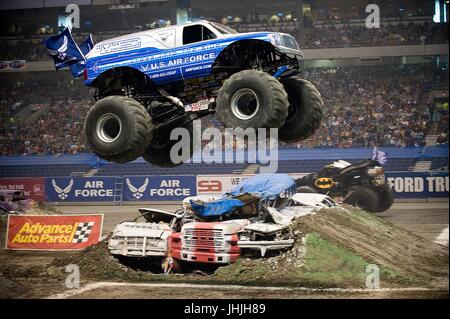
[(113, 242)]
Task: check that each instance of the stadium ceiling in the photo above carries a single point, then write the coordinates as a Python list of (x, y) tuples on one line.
[(34, 4)]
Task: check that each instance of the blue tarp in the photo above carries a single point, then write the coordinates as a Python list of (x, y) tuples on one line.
[(217, 208), (265, 185)]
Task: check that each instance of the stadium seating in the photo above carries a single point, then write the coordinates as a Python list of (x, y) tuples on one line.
[(290, 160)]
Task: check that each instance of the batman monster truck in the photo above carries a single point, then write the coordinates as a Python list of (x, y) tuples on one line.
[(150, 82), (362, 184)]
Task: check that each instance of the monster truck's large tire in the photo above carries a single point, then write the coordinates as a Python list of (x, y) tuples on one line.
[(252, 99), (158, 150), (118, 128), (305, 110), (364, 198), (385, 199)]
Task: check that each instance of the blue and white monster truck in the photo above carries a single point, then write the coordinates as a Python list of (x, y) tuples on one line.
[(150, 82)]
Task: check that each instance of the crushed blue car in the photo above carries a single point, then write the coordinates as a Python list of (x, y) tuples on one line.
[(248, 197)]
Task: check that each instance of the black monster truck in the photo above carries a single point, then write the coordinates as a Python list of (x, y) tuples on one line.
[(361, 184)]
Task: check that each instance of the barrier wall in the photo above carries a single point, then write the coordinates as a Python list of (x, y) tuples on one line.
[(175, 188)]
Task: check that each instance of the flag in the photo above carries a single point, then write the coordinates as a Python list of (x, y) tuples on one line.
[(379, 156), (64, 50), (77, 68)]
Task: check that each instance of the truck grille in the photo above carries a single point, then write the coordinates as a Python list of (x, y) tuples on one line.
[(199, 239), (137, 243)]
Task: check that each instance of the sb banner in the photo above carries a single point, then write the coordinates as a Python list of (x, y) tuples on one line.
[(53, 232), (154, 188)]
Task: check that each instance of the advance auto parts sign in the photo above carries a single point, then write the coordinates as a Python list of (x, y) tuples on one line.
[(53, 232)]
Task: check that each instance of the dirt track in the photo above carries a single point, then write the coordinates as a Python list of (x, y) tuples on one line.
[(427, 220), (424, 219)]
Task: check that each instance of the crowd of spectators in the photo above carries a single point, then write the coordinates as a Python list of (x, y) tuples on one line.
[(376, 105), (364, 106), (333, 36), (318, 36), (59, 126)]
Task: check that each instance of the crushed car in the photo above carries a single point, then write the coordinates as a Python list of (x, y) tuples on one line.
[(144, 236), (252, 219), (13, 202)]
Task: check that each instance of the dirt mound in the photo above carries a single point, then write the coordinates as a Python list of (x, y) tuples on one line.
[(381, 242), (334, 247)]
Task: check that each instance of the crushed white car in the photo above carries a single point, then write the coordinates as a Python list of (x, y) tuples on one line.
[(145, 238)]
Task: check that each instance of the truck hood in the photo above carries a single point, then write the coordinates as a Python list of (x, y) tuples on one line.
[(134, 229)]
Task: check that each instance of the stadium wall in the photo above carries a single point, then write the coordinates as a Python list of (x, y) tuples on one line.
[(420, 186)]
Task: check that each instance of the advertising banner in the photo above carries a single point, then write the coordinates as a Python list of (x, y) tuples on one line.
[(80, 189), (53, 232), (418, 184), (158, 188), (15, 65), (219, 184), (34, 188)]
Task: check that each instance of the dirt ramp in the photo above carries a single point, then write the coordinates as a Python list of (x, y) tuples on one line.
[(380, 242)]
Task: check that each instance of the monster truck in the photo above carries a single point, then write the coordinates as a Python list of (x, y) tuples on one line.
[(151, 82), (360, 184)]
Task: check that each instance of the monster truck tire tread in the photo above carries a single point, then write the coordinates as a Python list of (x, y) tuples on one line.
[(364, 198), (136, 138), (271, 114), (161, 156), (385, 199), (309, 110)]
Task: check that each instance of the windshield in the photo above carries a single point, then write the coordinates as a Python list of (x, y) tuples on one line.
[(223, 28)]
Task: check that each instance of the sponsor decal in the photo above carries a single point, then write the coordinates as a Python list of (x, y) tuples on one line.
[(116, 46), (32, 187), (324, 182), (53, 232)]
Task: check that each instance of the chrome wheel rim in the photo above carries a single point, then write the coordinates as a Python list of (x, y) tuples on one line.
[(108, 127), (245, 104)]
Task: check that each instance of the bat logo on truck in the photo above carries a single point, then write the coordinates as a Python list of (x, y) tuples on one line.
[(324, 182)]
